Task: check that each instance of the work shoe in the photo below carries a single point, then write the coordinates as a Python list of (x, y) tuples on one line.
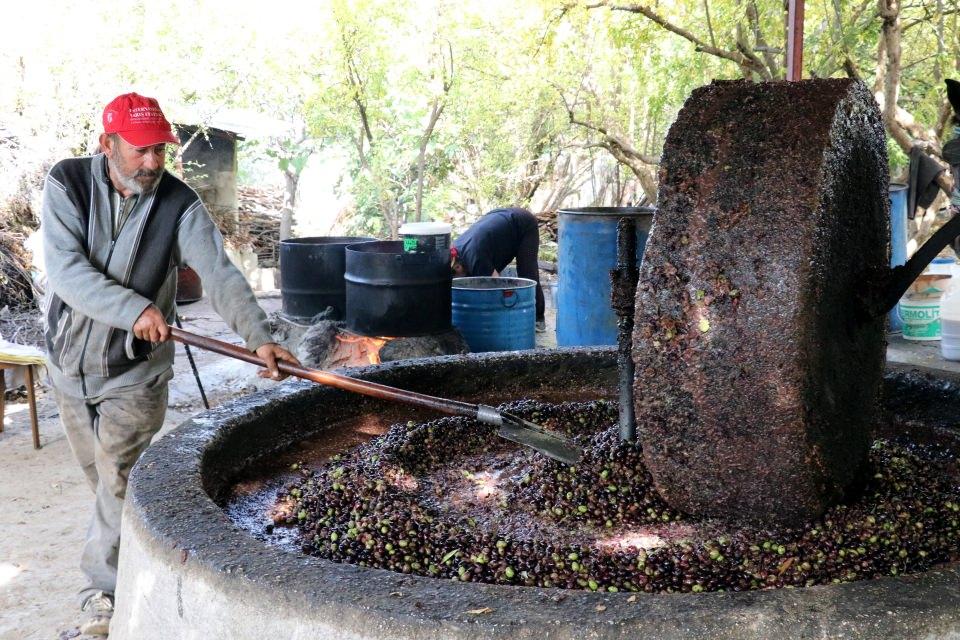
[(541, 326), (99, 608)]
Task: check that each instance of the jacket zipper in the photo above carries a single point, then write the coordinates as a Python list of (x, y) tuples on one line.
[(86, 340)]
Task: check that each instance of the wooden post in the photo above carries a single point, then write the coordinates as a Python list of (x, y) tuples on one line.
[(32, 400)]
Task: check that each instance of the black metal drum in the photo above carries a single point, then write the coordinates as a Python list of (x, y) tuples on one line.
[(311, 275), (392, 293)]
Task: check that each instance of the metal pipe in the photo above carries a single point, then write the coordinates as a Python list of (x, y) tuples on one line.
[(193, 365), (624, 290), (795, 40)]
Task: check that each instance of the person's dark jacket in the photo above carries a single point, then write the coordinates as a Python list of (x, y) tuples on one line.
[(491, 243), (494, 240)]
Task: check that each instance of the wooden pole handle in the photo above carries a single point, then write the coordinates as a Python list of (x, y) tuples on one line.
[(336, 380)]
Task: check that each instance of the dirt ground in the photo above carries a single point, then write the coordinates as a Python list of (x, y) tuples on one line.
[(45, 504)]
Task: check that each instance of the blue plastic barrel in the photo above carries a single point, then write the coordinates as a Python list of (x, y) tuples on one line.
[(587, 240), (898, 240), (495, 314)]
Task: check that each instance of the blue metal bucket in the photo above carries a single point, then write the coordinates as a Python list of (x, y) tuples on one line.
[(495, 314), (898, 240), (587, 240)]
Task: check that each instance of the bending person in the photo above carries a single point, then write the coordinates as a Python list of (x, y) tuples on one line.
[(493, 241)]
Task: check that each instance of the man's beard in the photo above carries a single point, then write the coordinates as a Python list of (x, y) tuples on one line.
[(130, 181)]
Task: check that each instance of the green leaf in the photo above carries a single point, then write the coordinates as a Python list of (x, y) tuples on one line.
[(449, 556)]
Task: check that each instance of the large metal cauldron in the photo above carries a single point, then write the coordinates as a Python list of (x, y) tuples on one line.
[(311, 275), (392, 293)]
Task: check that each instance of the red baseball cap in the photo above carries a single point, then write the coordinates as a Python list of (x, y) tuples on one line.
[(138, 120)]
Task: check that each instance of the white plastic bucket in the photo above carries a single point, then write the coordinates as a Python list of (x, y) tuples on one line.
[(920, 316), (426, 237), (919, 308), (950, 338), (950, 318), (941, 266)]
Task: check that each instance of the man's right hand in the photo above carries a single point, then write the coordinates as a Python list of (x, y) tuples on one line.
[(152, 326)]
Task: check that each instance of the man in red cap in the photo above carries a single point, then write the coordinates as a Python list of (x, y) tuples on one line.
[(115, 228), (137, 121)]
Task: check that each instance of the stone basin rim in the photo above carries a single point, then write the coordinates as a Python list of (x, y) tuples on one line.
[(169, 507)]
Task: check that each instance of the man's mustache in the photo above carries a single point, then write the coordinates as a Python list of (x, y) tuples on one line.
[(144, 173)]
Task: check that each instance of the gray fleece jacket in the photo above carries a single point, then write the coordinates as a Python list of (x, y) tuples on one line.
[(99, 285)]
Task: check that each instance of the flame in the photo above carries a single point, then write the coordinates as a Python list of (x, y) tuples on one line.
[(370, 346)]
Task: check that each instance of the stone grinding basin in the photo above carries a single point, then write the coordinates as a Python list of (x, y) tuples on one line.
[(188, 570)]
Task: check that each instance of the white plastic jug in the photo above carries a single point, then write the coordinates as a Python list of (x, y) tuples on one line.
[(950, 319)]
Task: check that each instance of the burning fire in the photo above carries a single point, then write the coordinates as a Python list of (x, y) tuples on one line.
[(367, 347)]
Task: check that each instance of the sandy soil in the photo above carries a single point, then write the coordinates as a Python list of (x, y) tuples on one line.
[(45, 504)]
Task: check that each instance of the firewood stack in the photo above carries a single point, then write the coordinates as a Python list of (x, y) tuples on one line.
[(16, 285), (260, 211), (547, 221)]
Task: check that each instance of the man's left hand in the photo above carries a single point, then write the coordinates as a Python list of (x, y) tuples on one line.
[(270, 353)]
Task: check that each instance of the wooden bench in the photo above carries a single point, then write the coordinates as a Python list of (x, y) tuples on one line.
[(31, 398)]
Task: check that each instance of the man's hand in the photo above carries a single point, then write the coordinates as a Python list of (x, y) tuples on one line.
[(151, 326), (270, 353)]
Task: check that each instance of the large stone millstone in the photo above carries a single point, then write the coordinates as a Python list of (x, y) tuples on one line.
[(757, 379)]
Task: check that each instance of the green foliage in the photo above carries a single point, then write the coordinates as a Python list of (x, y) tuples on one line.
[(364, 76), (897, 159)]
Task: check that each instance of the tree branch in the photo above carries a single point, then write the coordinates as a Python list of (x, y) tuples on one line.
[(619, 148), (890, 32), (610, 137), (436, 110), (743, 46), (706, 9), (899, 123), (554, 20), (944, 119), (736, 57), (925, 19), (761, 45), (850, 68), (881, 66), (356, 82)]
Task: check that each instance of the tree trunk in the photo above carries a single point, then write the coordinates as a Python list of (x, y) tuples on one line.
[(435, 112), (291, 183)]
